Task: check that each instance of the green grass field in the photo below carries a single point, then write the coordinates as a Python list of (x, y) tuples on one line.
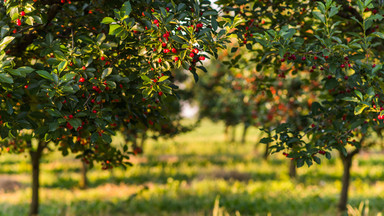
[(185, 175)]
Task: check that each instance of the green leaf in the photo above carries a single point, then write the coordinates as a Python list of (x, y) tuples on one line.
[(106, 72), (316, 159), (67, 77), (4, 30), (145, 78), (107, 20), (6, 78), (75, 123), (100, 38), (319, 16), (358, 93), (45, 74), (5, 42), (59, 55), (371, 92), (181, 7), (126, 8), (62, 66), (163, 78), (29, 20), (195, 76), (24, 70), (351, 99), (300, 162), (210, 13), (266, 140), (334, 11), (54, 113), (378, 34), (360, 108), (114, 29)]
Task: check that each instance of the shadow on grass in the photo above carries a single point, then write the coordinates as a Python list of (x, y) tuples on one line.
[(192, 204)]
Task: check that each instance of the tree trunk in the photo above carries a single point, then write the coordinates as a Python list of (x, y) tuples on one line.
[(142, 141), (35, 159), (233, 139), (226, 132), (243, 136), (266, 152), (84, 179), (347, 163), (292, 169)]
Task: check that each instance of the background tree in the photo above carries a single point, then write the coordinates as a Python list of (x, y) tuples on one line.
[(340, 44)]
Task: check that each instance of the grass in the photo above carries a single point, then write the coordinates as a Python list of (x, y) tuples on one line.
[(185, 176)]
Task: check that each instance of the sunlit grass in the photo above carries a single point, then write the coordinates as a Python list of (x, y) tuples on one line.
[(183, 176)]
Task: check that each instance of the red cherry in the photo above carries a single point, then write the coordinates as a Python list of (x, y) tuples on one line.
[(202, 58), (70, 116), (315, 58), (346, 58), (160, 94), (102, 58), (174, 50), (82, 80), (155, 21), (84, 68), (166, 51), (176, 58), (303, 58), (26, 86), (159, 60), (94, 111), (22, 13), (374, 65), (329, 77), (342, 66), (191, 54), (69, 126), (18, 22), (163, 44)]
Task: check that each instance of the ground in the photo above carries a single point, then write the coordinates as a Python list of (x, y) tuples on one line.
[(185, 175)]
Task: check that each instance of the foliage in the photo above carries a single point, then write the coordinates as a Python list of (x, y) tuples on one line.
[(75, 72), (334, 45)]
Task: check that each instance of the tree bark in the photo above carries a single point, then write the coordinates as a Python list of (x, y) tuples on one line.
[(292, 169), (233, 137), (266, 152), (226, 131), (243, 136), (347, 163), (142, 141), (84, 178), (35, 159)]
